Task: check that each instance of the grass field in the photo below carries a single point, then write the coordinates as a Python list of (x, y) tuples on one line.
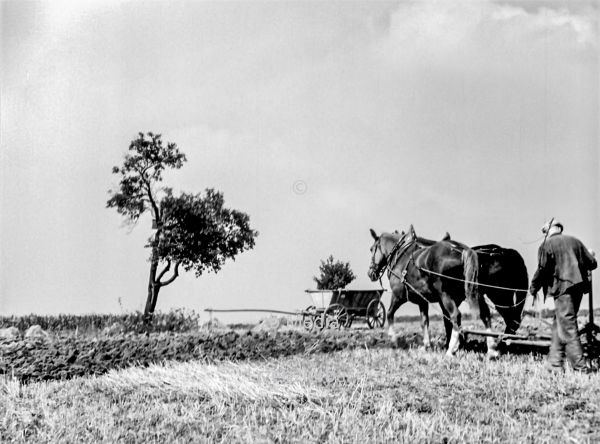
[(383, 395)]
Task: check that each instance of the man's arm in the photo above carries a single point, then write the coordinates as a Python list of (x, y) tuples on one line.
[(590, 260)]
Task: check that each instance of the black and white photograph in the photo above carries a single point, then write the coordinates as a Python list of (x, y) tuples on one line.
[(349, 221)]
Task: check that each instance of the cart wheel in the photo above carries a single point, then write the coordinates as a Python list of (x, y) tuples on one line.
[(337, 316), (319, 321), (350, 319), (308, 318), (375, 314)]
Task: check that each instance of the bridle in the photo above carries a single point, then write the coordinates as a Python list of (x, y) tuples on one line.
[(395, 254)]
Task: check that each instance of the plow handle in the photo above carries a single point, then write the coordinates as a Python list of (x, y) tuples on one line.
[(591, 302), (591, 329), (591, 296)]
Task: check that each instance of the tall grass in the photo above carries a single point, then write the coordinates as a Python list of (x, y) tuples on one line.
[(174, 321), (349, 396)]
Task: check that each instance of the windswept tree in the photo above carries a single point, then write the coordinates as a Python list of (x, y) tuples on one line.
[(334, 274), (191, 231)]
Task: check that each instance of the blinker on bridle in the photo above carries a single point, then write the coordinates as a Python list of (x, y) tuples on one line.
[(378, 272)]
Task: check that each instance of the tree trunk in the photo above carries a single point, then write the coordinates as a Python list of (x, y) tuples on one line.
[(154, 298), (153, 289), (155, 282), (153, 285)]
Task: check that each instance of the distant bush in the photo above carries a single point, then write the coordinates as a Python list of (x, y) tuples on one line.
[(174, 321), (334, 274)]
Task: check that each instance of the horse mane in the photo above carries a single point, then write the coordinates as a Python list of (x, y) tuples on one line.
[(424, 240), (489, 249)]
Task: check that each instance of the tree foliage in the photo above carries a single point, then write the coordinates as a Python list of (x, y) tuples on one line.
[(140, 173), (200, 233), (194, 231), (334, 274)]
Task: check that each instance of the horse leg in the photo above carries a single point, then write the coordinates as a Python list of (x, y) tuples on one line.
[(516, 312), (511, 320), (507, 315), (452, 320), (509, 308), (520, 280), (424, 309), (398, 299), (447, 326), (484, 313)]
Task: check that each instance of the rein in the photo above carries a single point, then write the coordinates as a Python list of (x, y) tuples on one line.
[(398, 252), (390, 266), (471, 282)]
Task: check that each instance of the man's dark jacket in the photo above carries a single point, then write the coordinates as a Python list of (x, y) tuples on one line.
[(564, 263)]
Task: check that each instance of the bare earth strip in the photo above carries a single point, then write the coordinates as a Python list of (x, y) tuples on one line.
[(350, 396)]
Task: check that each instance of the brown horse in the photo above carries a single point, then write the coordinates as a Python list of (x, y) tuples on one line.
[(502, 278), (441, 273)]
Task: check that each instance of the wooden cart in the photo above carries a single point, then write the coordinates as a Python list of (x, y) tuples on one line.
[(339, 308)]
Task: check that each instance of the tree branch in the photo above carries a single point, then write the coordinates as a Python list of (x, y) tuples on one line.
[(162, 273), (152, 165), (147, 183), (175, 275), (153, 203)]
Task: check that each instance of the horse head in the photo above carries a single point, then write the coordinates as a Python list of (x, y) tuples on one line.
[(382, 249), (378, 259)]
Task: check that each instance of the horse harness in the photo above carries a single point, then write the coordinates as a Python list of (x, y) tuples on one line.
[(387, 257), (398, 252), (402, 276)]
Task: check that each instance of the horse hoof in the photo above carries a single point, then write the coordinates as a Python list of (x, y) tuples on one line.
[(425, 347), (449, 354)]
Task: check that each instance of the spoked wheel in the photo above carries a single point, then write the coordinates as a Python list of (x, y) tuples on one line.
[(319, 320), (350, 319), (337, 316), (308, 318), (375, 314)]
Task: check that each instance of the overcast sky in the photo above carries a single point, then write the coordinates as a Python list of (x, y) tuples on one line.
[(320, 120)]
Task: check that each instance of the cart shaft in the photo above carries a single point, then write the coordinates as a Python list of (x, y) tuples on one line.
[(506, 336), (543, 343)]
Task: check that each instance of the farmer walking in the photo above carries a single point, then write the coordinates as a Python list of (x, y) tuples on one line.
[(564, 264)]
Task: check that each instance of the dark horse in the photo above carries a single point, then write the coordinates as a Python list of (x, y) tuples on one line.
[(502, 278), (444, 272), (504, 267)]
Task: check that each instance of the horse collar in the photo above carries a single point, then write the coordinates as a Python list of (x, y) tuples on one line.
[(398, 255)]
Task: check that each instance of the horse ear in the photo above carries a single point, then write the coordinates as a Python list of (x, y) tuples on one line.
[(374, 234), (413, 233), (446, 237)]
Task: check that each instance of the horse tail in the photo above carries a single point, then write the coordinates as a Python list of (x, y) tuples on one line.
[(471, 272)]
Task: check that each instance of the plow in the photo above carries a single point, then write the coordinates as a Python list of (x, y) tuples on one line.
[(589, 334)]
